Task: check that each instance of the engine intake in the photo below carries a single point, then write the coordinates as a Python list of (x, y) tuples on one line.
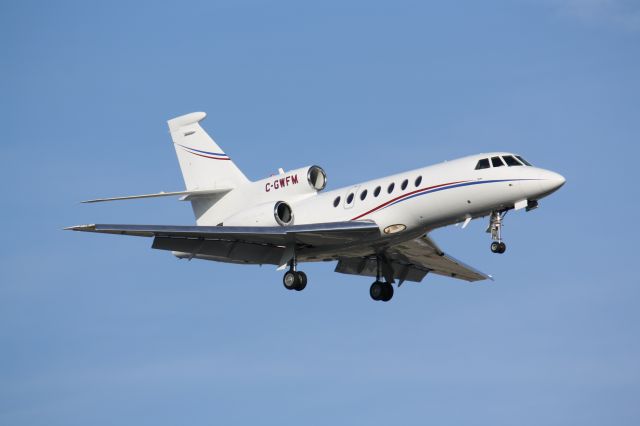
[(283, 213), (317, 178)]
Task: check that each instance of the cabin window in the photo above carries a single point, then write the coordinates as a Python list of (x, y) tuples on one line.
[(511, 161), (496, 162), (336, 202), (418, 181), (483, 164), (363, 195), (376, 191), (404, 184), (525, 162), (350, 198), (390, 188)]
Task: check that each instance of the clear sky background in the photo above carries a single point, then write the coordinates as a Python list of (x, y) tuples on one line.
[(102, 330)]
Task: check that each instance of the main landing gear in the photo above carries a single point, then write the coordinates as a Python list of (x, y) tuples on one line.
[(380, 290), (294, 279), (495, 227)]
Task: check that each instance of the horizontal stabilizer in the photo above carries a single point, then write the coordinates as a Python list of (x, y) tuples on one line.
[(186, 195)]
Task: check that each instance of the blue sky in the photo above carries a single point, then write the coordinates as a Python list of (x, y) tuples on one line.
[(101, 330)]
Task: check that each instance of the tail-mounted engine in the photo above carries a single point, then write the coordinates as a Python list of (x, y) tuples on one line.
[(269, 195), (296, 182), (267, 214)]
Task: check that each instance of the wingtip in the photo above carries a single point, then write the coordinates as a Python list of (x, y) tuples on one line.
[(91, 227)]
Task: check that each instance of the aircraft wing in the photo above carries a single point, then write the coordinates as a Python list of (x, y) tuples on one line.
[(412, 261), (169, 237)]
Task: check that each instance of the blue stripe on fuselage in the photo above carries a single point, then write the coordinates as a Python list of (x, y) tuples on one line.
[(458, 185)]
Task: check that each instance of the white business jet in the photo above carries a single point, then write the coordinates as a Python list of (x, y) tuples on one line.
[(377, 228)]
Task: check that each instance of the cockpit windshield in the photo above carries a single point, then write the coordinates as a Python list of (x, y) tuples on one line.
[(511, 161), (483, 164), (499, 161), (526, 163)]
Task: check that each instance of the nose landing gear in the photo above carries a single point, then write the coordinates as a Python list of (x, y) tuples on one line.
[(495, 227), (498, 247)]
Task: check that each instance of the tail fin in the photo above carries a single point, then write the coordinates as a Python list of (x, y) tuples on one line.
[(203, 164)]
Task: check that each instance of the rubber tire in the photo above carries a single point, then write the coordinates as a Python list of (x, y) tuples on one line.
[(376, 290), (495, 247), (302, 281), (387, 292), (293, 279), (502, 248)]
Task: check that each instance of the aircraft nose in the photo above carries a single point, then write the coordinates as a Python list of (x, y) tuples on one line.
[(557, 180), (551, 181)]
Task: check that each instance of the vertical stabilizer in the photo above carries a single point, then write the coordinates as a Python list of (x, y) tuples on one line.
[(203, 163)]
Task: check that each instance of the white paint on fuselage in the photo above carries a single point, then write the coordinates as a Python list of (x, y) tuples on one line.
[(466, 193), (448, 193)]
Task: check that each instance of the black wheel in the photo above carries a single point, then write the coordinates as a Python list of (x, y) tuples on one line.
[(302, 281), (387, 292), (502, 248), (376, 290), (495, 247), (291, 280)]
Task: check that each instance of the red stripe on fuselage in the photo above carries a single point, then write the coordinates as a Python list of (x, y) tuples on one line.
[(406, 195)]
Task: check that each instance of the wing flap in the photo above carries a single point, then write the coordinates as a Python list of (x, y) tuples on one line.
[(424, 252), (368, 267), (222, 251), (411, 261)]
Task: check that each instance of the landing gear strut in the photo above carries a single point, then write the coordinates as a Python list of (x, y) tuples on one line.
[(380, 290), (294, 279), (495, 227)]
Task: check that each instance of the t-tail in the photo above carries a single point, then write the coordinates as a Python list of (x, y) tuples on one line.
[(209, 174), (203, 163)]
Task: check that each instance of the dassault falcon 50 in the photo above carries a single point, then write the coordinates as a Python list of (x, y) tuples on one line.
[(377, 228)]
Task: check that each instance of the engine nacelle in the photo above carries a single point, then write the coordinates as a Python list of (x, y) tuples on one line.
[(296, 182), (276, 213), (269, 195)]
